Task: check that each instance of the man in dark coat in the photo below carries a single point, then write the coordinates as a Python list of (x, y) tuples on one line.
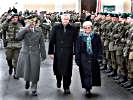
[(61, 50), (88, 55)]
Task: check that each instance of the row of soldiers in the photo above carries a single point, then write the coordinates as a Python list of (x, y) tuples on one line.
[(116, 31)]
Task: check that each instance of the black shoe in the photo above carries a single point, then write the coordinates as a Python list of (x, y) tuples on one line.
[(121, 80), (116, 77), (58, 84), (108, 71), (88, 93), (34, 93), (128, 85), (131, 88), (122, 84), (27, 85), (103, 67), (67, 91), (10, 71), (112, 74), (14, 76)]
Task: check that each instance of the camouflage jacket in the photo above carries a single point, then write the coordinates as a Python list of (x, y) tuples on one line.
[(11, 31)]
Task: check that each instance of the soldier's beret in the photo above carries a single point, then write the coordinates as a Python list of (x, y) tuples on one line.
[(110, 14), (43, 12), (124, 15), (105, 13), (100, 13), (14, 14), (131, 15), (29, 17), (116, 15)]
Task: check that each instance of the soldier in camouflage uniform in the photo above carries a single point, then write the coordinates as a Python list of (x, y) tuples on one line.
[(104, 36), (45, 24), (129, 41), (112, 27), (96, 24), (120, 38), (3, 30), (13, 45)]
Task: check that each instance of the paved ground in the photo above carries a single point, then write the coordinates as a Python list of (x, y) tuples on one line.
[(11, 89)]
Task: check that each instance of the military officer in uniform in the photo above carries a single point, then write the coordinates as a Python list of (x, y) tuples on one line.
[(12, 26), (28, 66)]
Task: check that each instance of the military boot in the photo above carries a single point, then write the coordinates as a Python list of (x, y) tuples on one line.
[(10, 66), (116, 77), (14, 76), (122, 80), (129, 84), (103, 67), (130, 88), (122, 84), (27, 85), (113, 73), (109, 69)]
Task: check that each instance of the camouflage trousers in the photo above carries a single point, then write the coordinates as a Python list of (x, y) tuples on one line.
[(130, 69), (121, 64), (12, 54), (113, 59), (105, 61), (107, 54), (108, 59)]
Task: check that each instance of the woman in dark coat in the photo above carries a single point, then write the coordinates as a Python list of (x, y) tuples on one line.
[(88, 55), (61, 51)]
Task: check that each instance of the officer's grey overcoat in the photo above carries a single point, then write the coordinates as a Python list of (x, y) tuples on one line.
[(33, 46)]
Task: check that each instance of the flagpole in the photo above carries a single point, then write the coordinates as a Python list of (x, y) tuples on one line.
[(98, 8)]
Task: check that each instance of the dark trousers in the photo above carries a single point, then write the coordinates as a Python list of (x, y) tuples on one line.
[(66, 80)]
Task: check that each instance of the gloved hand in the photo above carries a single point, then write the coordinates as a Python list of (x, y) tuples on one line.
[(99, 61), (78, 62)]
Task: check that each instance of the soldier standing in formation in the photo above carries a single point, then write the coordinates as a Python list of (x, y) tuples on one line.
[(117, 42)]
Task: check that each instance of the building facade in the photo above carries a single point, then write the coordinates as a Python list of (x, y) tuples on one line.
[(63, 5)]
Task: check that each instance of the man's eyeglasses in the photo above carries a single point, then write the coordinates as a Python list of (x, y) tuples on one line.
[(86, 27)]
